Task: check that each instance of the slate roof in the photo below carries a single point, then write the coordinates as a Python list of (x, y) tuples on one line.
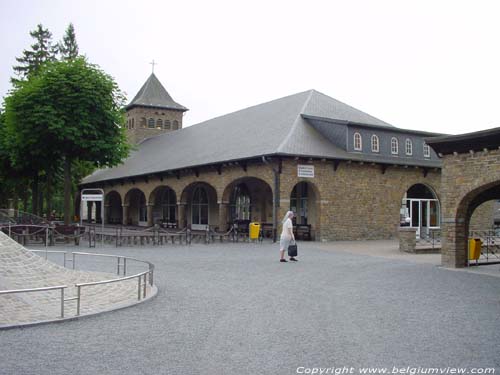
[(153, 94), (463, 143), (278, 127)]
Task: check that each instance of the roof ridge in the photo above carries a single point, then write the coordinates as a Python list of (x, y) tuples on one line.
[(295, 123)]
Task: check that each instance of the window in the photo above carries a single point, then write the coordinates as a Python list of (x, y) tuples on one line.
[(159, 124), (358, 145), (394, 146), (375, 143), (151, 123), (240, 203), (133, 124), (176, 125), (409, 147), (427, 150), (167, 124)]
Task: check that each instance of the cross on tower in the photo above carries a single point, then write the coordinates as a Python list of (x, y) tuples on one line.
[(153, 64)]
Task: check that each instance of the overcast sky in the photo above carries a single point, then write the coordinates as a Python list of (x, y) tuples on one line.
[(424, 65)]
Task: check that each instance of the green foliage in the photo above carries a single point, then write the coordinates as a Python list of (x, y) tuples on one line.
[(74, 108), (68, 48), (32, 60)]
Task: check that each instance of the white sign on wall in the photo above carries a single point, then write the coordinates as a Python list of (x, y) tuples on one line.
[(92, 197), (306, 171)]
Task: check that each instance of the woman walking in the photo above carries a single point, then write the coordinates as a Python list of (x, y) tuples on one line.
[(286, 236)]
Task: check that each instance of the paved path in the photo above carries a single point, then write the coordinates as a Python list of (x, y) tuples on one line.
[(22, 269), (234, 309)]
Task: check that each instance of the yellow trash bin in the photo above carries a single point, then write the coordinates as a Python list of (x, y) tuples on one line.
[(254, 230), (475, 248)]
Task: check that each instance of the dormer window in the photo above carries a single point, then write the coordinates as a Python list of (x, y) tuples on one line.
[(409, 147), (427, 150), (394, 146), (358, 145), (375, 143)]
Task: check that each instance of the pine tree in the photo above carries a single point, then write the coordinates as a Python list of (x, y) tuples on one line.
[(41, 52), (69, 47)]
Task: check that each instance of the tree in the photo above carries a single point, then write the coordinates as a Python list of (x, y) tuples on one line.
[(68, 48), (30, 63), (32, 60), (71, 110)]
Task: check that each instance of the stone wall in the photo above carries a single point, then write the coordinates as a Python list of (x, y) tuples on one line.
[(355, 201), (140, 130), (482, 217), (464, 178)]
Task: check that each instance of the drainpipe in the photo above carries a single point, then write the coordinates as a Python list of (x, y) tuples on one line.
[(276, 200)]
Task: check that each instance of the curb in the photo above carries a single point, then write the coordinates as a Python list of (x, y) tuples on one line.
[(154, 293)]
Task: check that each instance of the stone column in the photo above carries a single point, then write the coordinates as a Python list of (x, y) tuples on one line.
[(454, 244), (149, 211), (223, 216), (124, 214), (181, 209), (407, 239)]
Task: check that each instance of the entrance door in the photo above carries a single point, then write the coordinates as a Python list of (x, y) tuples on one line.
[(424, 215)]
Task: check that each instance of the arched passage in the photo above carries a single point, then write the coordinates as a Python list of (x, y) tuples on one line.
[(304, 201), (420, 209), (163, 201), (245, 200), (137, 211), (460, 230), (199, 206), (113, 206)]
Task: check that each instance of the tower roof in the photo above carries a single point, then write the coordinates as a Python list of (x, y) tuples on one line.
[(153, 94)]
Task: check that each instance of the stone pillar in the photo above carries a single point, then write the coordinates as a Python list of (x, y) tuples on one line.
[(223, 216), (149, 212), (454, 244), (124, 214), (181, 208), (407, 239)]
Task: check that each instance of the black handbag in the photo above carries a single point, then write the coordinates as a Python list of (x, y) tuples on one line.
[(292, 249)]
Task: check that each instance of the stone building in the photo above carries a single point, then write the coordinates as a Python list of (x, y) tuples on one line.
[(470, 184), (346, 174)]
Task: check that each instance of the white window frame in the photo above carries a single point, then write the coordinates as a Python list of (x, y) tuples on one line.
[(357, 137), (409, 146), (427, 150), (375, 143), (394, 146)]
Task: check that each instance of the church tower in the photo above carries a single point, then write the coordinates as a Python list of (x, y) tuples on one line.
[(152, 112)]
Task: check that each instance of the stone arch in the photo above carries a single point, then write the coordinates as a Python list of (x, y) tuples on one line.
[(136, 208), (256, 207), (458, 228), (163, 203), (193, 212), (113, 213), (421, 209), (305, 201)]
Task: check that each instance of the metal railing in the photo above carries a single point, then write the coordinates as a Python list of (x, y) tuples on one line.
[(142, 278), (490, 245), (61, 287), (432, 238)]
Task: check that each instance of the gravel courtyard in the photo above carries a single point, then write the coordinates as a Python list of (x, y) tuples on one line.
[(234, 309)]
